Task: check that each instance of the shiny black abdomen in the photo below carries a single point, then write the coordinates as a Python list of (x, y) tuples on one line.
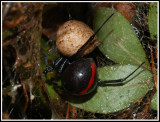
[(78, 75)]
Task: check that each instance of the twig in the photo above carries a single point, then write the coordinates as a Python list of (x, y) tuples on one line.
[(74, 112), (154, 71), (67, 112), (26, 95), (21, 32)]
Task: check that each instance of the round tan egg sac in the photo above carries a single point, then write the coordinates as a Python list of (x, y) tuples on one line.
[(72, 35)]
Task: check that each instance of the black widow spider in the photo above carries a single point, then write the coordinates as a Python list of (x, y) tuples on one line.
[(79, 75)]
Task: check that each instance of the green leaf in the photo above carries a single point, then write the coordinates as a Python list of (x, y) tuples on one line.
[(51, 91), (119, 41), (153, 104), (152, 20), (120, 44), (112, 98)]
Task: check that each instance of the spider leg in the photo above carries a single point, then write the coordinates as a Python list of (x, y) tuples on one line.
[(63, 65), (57, 62), (120, 80), (91, 38), (45, 56), (50, 40), (48, 68), (54, 66)]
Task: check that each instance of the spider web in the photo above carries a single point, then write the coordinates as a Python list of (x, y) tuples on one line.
[(23, 100)]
